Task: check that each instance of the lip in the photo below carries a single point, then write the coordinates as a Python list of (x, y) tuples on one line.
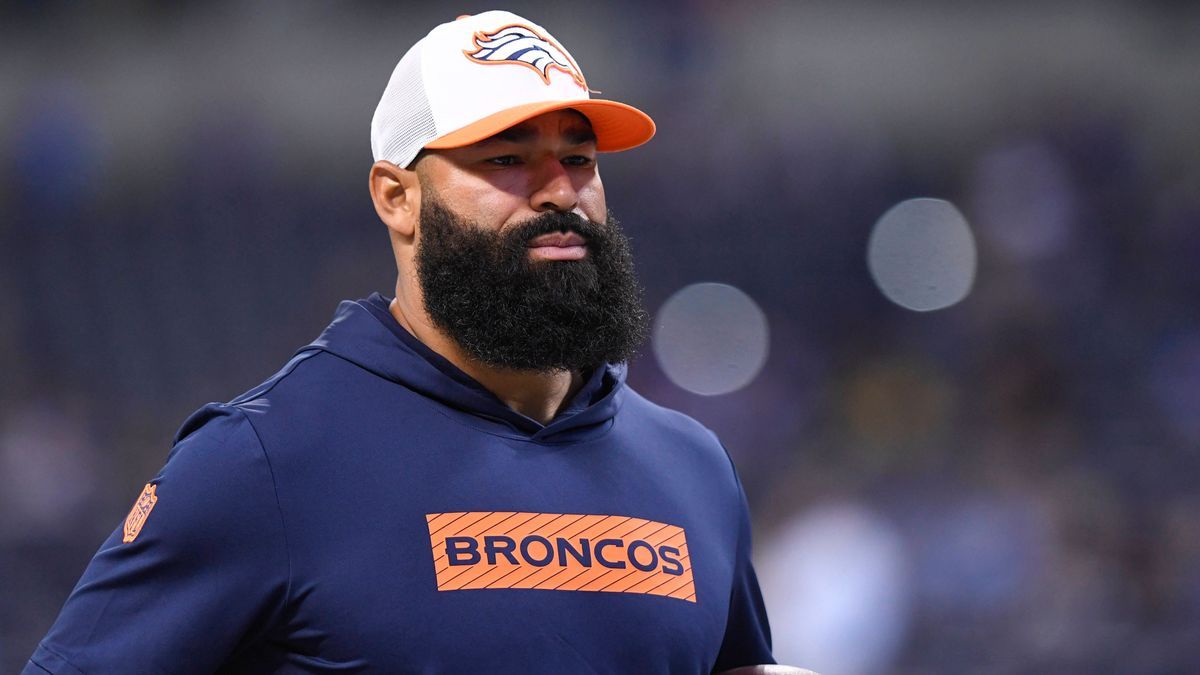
[(558, 240), (558, 252), (558, 246)]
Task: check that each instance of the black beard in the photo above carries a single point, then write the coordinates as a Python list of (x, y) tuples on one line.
[(507, 311)]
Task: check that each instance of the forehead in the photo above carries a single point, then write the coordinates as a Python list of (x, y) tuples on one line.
[(568, 125)]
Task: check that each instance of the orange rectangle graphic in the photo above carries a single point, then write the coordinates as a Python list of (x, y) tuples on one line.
[(474, 550)]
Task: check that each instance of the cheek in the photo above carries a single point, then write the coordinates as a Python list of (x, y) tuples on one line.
[(591, 200), (490, 211), (486, 207)]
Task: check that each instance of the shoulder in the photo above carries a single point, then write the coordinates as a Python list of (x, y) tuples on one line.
[(312, 387), (216, 486), (678, 438), (231, 434), (304, 378), (216, 435), (653, 418), (314, 411)]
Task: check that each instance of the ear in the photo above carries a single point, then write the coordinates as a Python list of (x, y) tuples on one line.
[(396, 194)]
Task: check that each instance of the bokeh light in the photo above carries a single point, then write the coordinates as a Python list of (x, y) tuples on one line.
[(1023, 200), (921, 254), (838, 585), (710, 338)]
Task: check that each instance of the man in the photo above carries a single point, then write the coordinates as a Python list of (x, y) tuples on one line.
[(455, 480)]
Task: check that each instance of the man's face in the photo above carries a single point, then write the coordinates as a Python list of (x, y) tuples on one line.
[(544, 164), (515, 262)]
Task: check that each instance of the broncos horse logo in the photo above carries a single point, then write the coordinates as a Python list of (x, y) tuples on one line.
[(522, 45)]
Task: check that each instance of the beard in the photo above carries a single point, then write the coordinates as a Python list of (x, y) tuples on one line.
[(508, 311)]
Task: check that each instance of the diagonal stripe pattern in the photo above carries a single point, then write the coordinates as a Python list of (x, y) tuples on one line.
[(474, 550)]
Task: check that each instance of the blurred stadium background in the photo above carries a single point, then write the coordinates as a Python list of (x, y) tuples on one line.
[(1005, 485)]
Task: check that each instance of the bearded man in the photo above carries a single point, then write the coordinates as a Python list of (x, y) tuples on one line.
[(456, 479)]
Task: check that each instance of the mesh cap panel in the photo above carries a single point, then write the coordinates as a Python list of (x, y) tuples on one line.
[(403, 121)]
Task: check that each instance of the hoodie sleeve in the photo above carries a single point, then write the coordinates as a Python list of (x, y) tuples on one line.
[(198, 570), (747, 634)]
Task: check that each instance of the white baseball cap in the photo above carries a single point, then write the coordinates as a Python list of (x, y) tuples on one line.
[(481, 74)]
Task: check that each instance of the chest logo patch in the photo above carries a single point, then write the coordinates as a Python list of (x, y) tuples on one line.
[(559, 552), (140, 511)]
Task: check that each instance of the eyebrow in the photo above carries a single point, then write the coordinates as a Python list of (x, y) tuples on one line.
[(522, 133)]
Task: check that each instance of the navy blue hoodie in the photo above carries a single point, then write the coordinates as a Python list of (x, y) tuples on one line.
[(371, 508)]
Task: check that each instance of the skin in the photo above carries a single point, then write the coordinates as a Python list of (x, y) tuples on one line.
[(545, 163)]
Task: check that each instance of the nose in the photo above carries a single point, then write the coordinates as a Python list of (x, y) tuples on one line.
[(552, 188)]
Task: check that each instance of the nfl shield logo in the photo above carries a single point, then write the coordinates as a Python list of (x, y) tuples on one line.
[(140, 511)]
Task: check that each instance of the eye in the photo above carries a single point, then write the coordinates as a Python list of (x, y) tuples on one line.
[(579, 160), (503, 160)]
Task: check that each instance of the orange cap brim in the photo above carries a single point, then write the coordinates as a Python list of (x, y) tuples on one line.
[(617, 126)]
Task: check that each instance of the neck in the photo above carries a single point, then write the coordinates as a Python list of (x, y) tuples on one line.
[(537, 395)]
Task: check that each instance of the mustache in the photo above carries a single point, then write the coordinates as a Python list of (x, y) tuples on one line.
[(557, 221)]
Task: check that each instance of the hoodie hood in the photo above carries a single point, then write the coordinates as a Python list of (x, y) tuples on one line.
[(365, 333)]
